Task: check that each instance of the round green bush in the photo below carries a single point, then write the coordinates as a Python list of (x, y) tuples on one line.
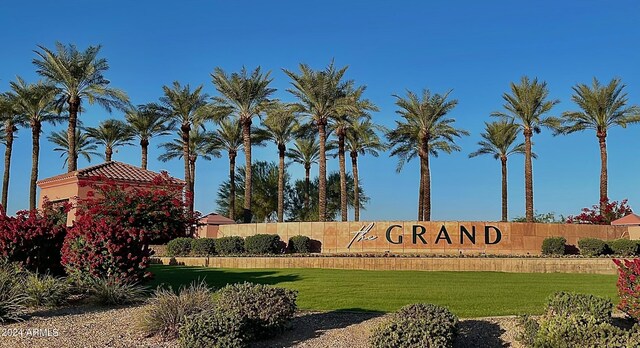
[(179, 246), (230, 245), (623, 247), (579, 331), (592, 246), (566, 303), (299, 244), (212, 328), (203, 246), (417, 325), (263, 244), (554, 246)]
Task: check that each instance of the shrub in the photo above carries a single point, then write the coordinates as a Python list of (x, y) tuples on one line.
[(417, 325), (33, 239), (629, 287), (166, 310), (265, 310), (554, 246), (110, 291), (12, 297), (592, 246), (203, 246), (529, 331), (623, 247), (230, 245), (46, 290), (179, 246), (602, 214), (263, 244), (299, 244), (578, 331), (565, 303), (212, 328)]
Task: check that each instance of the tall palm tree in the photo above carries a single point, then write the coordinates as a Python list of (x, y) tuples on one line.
[(602, 108), (339, 124), (280, 126), (245, 95), (499, 141), (361, 139), (85, 145), (228, 137), (200, 146), (306, 151), (111, 134), (11, 120), (526, 106), (321, 95), (424, 132), (186, 108), (79, 76), (148, 121), (35, 103)]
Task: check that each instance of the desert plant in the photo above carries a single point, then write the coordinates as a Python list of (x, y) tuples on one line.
[(417, 325), (554, 246), (12, 296), (46, 290), (230, 245), (112, 291), (577, 330), (565, 304), (592, 246), (623, 247), (212, 328), (203, 246), (299, 244), (167, 310), (263, 244), (529, 329), (179, 246)]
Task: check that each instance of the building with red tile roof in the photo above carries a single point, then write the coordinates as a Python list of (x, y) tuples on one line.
[(629, 220), (208, 225)]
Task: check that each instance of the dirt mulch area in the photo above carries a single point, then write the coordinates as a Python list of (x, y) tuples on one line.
[(89, 326)]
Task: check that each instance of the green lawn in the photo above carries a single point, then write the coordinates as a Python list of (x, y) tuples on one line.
[(467, 294)]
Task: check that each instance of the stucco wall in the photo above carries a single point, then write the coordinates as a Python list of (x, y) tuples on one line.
[(516, 238)]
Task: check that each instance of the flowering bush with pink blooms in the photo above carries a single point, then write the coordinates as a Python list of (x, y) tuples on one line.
[(610, 211), (629, 287)]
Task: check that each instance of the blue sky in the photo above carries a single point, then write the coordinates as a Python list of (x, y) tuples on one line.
[(473, 47)]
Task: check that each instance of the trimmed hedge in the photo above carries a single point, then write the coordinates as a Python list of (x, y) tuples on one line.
[(417, 325), (230, 245), (592, 246), (299, 244), (554, 246), (566, 303), (263, 244), (623, 247), (203, 246), (179, 246)]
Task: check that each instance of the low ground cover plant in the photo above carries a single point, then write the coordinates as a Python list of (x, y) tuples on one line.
[(112, 291), (13, 300), (566, 303), (417, 325), (46, 290), (554, 246), (263, 244)]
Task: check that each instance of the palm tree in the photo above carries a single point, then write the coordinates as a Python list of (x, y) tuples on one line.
[(34, 102), (228, 137), (111, 134), (85, 145), (11, 120), (361, 139), (602, 108), (79, 76), (424, 132), (146, 122), (339, 124), (245, 96), (305, 151), (526, 107), (498, 140), (200, 146), (185, 108), (280, 126), (321, 95)]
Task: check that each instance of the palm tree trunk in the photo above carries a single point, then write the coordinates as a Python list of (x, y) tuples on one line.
[(281, 150), (192, 168), (356, 188), (144, 145), (343, 177), (421, 193), (503, 161), (35, 156), (604, 177), (7, 162), (307, 184), (246, 136), (232, 186), (108, 152), (322, 175), (184, 133), (528, 176), (427, 189), (74, 105)]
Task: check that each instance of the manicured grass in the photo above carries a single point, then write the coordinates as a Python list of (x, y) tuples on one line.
[(467, 294)]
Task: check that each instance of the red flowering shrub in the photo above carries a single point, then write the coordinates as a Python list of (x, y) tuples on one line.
[(596, 216), (113, 229), (33, 238), (629, 287)]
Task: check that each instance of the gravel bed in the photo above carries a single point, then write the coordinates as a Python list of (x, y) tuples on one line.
[(90, 326)]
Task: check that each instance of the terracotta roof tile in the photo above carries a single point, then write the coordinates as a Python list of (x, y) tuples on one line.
[(631, 219), (216, 219), (111, 170)]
